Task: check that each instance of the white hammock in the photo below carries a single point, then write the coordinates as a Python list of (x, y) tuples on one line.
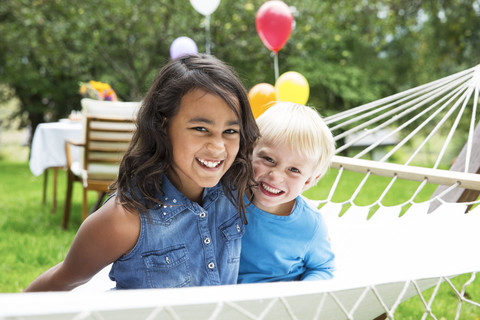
[(382, 261)]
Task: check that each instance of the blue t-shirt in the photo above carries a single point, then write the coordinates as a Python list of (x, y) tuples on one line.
[(285, 248), (184, 244)]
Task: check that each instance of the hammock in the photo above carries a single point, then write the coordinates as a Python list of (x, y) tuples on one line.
[(424, 142)]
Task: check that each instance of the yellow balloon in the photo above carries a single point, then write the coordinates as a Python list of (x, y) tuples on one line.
[(261, 97), (292, 86)]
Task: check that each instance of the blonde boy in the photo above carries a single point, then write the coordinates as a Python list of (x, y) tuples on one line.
[(286, 238)]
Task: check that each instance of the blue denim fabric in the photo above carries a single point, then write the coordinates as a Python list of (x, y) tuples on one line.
[(184, 244)]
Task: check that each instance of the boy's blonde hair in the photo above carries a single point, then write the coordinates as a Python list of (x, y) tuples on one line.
[(303, 129)]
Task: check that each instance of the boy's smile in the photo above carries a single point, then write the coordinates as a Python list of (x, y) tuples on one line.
[(269, 190), (281, 175)]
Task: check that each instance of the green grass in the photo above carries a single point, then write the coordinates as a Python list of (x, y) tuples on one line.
[(31, 237), (400, 192), (445, 303), (32, 240)]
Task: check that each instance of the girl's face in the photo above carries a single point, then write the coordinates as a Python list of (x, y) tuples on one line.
[(205, 138)]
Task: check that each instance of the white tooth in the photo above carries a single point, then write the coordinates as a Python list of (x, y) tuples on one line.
[(210, 164), (270, 189)]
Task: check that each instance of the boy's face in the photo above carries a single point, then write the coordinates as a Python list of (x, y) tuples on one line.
[(281, 175)]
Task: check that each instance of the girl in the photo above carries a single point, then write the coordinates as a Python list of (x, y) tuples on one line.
[(176, 217)]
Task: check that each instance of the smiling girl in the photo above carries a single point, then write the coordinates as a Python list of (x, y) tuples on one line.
[(177, 212)]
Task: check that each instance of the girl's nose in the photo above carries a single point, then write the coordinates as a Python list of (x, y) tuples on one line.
[(216, 144)]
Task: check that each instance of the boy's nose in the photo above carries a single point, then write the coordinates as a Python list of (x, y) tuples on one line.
[(275, 174)]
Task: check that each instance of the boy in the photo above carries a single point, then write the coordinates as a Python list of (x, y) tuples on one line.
[(287, 239)]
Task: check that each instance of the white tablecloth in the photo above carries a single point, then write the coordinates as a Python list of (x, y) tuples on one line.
[(48, 145)]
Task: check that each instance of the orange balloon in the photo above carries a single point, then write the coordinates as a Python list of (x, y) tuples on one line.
[(261, 97)]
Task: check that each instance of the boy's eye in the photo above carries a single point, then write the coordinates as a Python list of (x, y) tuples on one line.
[(268, 159), (295, 170), (202, 129)]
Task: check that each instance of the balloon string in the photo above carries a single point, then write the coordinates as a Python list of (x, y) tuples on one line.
[(207, 31), (275, 62)]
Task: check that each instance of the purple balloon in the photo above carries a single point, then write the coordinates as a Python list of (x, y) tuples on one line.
[(182, 46)]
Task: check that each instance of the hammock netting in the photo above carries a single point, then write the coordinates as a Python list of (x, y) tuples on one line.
[(418, 153)]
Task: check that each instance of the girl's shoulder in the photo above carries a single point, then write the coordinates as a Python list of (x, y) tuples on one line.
[(106, 235), (114, 226)]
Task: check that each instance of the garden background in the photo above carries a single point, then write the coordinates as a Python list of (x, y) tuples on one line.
[(351, 52)]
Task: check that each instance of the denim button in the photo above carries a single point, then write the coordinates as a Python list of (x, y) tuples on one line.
[(211, 265), (207, 240), (203, 215)]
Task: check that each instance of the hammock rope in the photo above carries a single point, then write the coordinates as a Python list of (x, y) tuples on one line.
[(386, 253), (432, 104)]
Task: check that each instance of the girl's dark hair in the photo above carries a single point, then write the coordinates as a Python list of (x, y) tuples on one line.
[(149, 155)]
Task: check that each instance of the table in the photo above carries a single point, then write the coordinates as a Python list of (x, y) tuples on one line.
[(48, 150)]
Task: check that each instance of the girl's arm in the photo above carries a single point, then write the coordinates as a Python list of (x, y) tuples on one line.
[(103, 237)]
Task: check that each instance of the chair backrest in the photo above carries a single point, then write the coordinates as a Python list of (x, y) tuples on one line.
[(108, 128), (91, 107), (106, 141)]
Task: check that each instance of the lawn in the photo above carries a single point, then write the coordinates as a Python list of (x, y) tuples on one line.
[(31, 237), (32, 240)]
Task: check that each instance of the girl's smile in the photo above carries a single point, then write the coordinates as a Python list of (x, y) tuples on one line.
[(210, 164)]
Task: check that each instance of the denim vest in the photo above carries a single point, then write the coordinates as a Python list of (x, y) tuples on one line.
[(183, 244)]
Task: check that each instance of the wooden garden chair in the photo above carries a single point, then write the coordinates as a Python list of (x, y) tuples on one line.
[(106, 140)]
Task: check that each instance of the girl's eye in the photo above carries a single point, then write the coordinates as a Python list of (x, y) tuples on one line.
[(202, 129), (295, 170), (231, 131)]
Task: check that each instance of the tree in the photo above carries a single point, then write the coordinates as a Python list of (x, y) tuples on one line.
[(350, 52), (49, 47)]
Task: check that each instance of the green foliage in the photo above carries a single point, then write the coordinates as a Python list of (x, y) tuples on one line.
[(350, 52), (51, 46)]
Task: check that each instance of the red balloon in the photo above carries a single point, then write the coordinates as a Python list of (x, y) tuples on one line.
[(274, 24)]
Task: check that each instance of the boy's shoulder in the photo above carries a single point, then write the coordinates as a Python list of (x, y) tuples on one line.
[(308, 204), (310, 210), (311, 206)]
